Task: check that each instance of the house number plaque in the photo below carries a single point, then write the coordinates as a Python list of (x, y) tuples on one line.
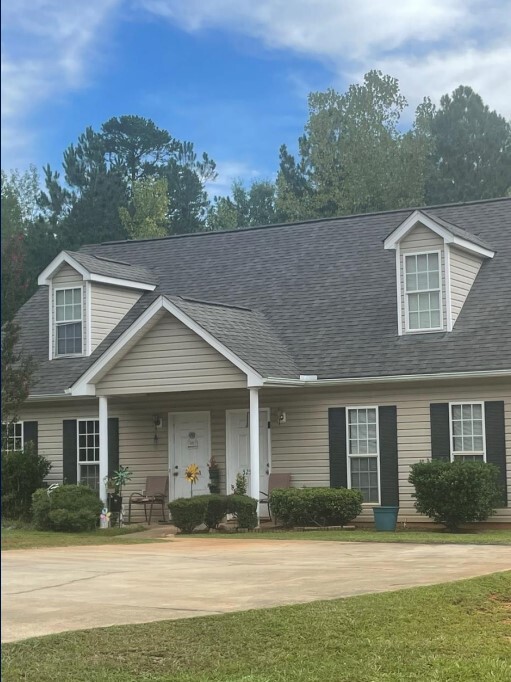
[(193, 441)]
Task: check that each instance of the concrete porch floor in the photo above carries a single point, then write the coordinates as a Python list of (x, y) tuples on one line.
[(53, 590)]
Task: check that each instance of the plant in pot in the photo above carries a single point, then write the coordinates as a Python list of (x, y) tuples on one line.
[(214, 476), (118, 479)]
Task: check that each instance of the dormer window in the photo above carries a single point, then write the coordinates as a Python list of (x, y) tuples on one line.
[(68, 321), (423, 299)]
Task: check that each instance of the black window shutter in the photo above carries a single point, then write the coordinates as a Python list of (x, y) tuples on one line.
[(389, 481), (30, 434), (113, 445), (69, 451), (496, 441), (337, 447), (440, 436)]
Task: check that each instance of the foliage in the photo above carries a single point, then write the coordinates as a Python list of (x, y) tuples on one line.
[(244, 509), (23, 472), (471, 155), (214, 476), (455, 493), (73, 508), (216, 510), (147, 216), (188, 513), (120, 478), (17, 370), (240, 486), (353, 157), (315, 506), (245, 207)]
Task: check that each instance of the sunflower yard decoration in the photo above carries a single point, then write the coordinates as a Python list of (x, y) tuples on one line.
[(192, 473)]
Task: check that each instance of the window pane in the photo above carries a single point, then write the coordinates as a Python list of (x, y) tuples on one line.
[(422, 263), (477, 411), (434, 280), (413, 303), (89, 475), (414, 321), (478, 443), (435, 318), (422, 280), (411, 264)]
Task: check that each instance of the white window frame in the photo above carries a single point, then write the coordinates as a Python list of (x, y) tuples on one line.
[(56, 354), (374, 456), (6, 425), (459, 455), (438, 252), (78, 462)]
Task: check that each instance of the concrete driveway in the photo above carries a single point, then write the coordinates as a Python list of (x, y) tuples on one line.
[(70, 588)]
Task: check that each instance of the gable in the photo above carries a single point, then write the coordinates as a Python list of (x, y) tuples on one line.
[(170, 357), (109, 304)]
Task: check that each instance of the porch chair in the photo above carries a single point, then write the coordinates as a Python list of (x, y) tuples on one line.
[(274, 481), (155, 492)]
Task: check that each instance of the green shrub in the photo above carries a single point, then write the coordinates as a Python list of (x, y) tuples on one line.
[(315, 506), (73, 508), (216, 509), (188, 512), (454, 493), (244, 509), (23, 472)]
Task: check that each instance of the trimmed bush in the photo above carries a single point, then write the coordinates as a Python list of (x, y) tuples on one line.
[(23, 472), (315, 506), (216, 509), (69, 508), (244, 509), (454, 493), (188, 512)]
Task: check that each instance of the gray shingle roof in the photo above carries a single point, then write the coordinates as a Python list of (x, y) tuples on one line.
[(459, 232), (112, 268), (321, 297)]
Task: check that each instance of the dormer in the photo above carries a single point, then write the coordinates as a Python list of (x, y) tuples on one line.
[(87, 297), (436, 266)]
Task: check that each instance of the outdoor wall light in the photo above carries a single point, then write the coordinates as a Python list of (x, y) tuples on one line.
[(157, 425)]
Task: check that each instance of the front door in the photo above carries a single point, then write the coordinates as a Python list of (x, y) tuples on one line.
[(238, 447), (189, 443)]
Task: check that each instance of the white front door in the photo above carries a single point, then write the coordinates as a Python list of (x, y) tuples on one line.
[(238, 447), (189, 443)]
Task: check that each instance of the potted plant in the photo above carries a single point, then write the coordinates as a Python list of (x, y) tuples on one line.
[(214, 476), (119, 479)]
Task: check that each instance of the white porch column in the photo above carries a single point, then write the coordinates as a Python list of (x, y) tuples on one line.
[(103, 446), (254, 445)]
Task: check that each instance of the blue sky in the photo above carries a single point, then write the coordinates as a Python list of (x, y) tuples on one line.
[(230, 75)]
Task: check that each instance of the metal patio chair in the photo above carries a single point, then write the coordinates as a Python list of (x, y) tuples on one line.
[(274, 481), (156, 492)]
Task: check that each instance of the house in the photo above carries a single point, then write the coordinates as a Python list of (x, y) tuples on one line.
[(337, 350)]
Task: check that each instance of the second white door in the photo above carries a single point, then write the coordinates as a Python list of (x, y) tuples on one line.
[(238, 447)]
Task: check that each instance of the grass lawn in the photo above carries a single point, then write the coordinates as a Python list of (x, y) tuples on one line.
[(27, 538), (454, 632), (484, 537)]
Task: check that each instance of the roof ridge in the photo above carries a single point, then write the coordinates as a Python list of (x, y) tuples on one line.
[(308, 221), (217, 304)]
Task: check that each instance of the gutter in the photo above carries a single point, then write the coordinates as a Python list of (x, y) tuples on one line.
[(400, 378)]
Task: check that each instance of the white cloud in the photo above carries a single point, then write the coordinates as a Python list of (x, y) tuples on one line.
[(48, 48), (228, 171), (430, 45)]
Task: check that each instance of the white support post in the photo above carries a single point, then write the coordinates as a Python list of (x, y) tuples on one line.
[(254, 445), (103, 446)]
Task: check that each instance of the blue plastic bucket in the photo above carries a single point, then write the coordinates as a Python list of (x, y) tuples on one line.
[(385, 518)]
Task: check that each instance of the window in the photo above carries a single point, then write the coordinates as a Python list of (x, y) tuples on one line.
[(422, 291), (12, 436), (88, 452), (467, 432), (68, 321), (363, 452)]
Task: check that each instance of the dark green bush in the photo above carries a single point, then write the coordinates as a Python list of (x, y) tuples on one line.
[(216, 510), (454, 493), (73, 508), (23, 472), (244, 509), (188, 512), (315, 506)]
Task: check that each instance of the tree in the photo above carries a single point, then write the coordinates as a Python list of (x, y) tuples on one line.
[(17, 371), (148, 215), (353, 157), (471, 158), (245, 207)]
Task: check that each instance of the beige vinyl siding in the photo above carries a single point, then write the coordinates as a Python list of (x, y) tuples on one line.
[(170, 357), (300, 446), (68, 278), (422, 240), (108, 306), (464, 269)]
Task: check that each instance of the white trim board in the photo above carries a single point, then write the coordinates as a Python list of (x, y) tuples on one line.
[(63, 257), (85, 384), (392, 241)]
